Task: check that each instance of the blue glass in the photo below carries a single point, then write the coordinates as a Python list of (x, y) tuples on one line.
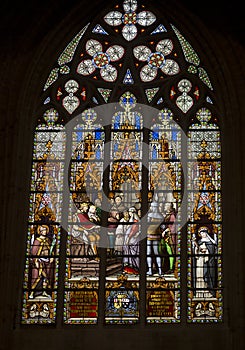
[(137, 146), (117, 122), (128, 79), (97, 134), (174, 135), (155, 134), (154, 152), (98, 29), (159, 29), (160, 101), (137, 121), (115, 147), (79, 136), (97, 153)]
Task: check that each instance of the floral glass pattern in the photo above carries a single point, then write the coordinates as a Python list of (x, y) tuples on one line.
[(129, 19), (156, 60), (101, 60)]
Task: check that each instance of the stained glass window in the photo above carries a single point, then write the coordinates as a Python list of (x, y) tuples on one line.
[(126, 182)]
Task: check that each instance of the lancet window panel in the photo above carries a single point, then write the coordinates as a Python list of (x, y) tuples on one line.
[(163, 226), (86, 180), (205, 228), (124, 228), (43, 241)]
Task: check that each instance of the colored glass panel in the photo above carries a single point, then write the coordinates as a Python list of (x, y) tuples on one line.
[(83, 261), (123, 225), (43, 242), (107, 176), (163, 230), (205, 212)]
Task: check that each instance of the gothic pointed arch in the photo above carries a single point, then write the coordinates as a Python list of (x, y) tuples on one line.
[(133, 208)]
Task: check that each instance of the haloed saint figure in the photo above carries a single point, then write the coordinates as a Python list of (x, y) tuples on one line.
[(204, 264), (42, 271)]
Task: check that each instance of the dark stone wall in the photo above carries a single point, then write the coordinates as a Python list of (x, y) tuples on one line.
[(32, 35)]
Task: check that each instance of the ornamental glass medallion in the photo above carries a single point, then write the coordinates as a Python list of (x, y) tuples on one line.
[(111, 169), (141, 52)]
